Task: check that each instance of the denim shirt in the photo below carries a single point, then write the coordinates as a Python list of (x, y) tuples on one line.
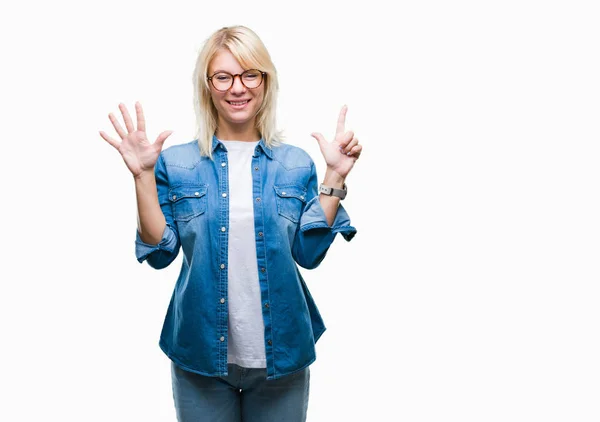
[(290, 230)]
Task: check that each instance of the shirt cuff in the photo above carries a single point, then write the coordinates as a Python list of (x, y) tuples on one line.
[(314, 218), (167, 243)]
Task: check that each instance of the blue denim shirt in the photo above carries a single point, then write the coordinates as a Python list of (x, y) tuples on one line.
[(290, 230)]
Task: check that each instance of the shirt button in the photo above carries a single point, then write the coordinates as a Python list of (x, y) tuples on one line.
[(267, 305), (174, 197), (283, 193), (197, 193), (223, 164), (302, 198), (256, 168), (224, 195), (222, 338), (269, 342), (222, 266), (222, 300), (257, 199), (260, 234), (263, 270), (223, 229)]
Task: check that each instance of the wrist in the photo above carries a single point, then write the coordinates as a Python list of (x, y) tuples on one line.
[(330, 191), (333, 179), (144, 176)]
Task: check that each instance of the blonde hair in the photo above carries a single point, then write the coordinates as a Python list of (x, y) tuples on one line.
[(251, 53)]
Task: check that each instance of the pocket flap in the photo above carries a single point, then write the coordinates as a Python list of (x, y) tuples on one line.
[(186, 191), (291, 191)]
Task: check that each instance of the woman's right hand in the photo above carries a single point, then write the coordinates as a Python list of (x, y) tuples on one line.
[(138, 153)]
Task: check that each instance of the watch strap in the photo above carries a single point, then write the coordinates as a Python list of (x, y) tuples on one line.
[(327, 190)]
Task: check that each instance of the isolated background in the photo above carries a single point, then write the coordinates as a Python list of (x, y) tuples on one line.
[(471, 290)]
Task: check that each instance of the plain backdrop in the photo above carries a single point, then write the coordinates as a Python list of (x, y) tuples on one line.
[(471, 290)]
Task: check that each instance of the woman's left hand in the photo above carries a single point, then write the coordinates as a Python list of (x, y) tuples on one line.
[(340, 154)]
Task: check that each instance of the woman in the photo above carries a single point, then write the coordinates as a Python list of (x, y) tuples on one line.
[(245, 210)]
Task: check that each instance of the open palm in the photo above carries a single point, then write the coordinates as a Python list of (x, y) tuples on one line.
[(138, 153)]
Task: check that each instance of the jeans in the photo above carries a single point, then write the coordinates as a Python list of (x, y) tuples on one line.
[(244, 395)]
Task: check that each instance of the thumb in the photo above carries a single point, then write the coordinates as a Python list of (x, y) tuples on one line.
[(162, 138), (319, 138)]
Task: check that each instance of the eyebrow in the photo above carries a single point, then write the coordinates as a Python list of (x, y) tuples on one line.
[(226, 71)]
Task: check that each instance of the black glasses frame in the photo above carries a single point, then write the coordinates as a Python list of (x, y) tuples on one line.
[(263, 76)]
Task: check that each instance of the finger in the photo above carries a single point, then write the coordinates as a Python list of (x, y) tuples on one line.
[(355, 151), (341, 124), (345, 139), (162, 138), (117, 126), (141, 121), (350, 145), (110, 140), (126, 118), (319, 137)]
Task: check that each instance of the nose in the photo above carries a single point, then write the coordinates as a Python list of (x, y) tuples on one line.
[(237, 86)]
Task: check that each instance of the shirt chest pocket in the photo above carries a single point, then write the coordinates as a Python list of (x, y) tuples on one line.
[(290, 201), (188, 201)]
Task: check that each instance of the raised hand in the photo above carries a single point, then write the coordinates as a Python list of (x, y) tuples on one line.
[(138, 153), (340, 154)]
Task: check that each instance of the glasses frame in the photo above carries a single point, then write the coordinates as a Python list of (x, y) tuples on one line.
[(263, 76)]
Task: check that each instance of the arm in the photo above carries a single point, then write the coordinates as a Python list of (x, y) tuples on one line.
[(151, 221), (157, 238), (316, 231), (340, 156), (324, 216), (330, 204)]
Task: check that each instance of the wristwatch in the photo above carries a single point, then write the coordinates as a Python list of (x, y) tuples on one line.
[(340, 193)]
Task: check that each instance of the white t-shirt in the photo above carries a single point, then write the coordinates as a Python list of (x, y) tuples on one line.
[(246, 340)]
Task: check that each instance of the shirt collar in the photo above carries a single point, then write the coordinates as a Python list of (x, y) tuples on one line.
[(268, 151)]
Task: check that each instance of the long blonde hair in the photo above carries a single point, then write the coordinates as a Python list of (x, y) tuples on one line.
[(251, 53)]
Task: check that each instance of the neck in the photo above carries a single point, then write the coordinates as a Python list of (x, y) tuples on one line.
[(228, 132)]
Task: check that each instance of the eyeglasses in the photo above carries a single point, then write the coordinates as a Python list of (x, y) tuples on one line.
[(223, 81)]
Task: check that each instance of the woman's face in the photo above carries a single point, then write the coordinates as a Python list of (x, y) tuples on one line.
[(239, 105)]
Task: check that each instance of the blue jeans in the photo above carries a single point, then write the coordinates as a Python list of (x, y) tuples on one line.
[(244, 395)]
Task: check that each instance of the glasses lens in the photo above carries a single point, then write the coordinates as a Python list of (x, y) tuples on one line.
[(252, 78), (222, 81)]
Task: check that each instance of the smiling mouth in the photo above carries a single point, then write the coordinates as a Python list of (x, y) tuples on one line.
[(238, 103)]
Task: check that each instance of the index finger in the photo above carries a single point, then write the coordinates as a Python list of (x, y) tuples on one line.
[(141, 121), (341, 124)]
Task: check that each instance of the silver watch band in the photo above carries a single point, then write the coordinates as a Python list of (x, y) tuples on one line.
[(327, 190)]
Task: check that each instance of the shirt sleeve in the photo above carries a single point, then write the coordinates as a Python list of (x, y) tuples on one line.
[(314, 236), (160, 255)]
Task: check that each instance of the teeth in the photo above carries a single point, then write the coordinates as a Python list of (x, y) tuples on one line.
[(238, 102)]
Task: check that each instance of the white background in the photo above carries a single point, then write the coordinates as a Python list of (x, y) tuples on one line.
[(471, 290)]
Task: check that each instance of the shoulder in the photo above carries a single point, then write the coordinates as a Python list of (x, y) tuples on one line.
[(186, 155), (291, 156)]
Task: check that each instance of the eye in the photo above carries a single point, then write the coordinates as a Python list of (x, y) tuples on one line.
[(251, 75), (222, 77)]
